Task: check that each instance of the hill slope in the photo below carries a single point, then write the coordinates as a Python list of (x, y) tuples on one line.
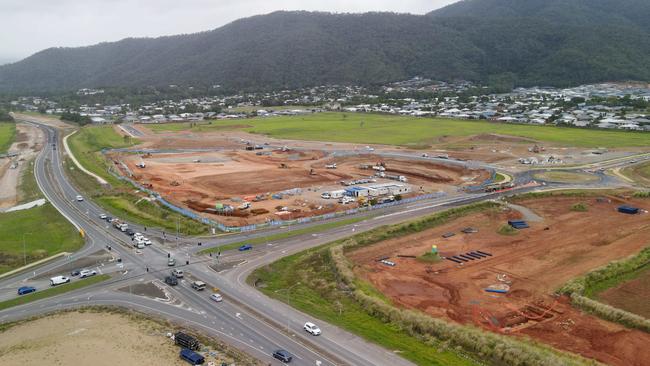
[(549, 42)]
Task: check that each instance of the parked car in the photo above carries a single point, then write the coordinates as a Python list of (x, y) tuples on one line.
[(312, 328), (26, 290), (171, 281), (87, 273), (283, 355), (216, 297), (79, 198), (245, 247)]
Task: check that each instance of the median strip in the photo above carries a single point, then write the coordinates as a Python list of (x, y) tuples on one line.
[(61, 289)]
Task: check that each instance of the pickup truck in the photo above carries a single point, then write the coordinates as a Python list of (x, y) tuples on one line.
[(87, 273)]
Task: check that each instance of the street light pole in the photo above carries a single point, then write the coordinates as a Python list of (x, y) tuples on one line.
[(25, 249), (288, 291)]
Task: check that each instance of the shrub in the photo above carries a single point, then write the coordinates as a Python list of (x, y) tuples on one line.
[(507, 230), (579, 207)]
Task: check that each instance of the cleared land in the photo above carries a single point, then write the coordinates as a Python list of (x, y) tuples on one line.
[(631, 293), (558, 176), (94, 338), (200, 181), (120, 199), (407, 131), (46, 233), (7, 134), (639, 173), (533, 264), (28, 141)]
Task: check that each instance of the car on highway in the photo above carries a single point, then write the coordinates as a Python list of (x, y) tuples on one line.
[(216, 297), (198, 285), (311, 328), (79, 198), (129, 232), (103, 216), (75, 273), (178, 273), (26, 290), (171, 280), (58, 280), (171, 262), (87, 273), (245, 247), (283, 355)]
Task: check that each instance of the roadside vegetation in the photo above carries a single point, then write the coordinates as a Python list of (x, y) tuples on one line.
[(371, 128), (285, 235), (119, 198), (639, 173), (44, 231), (7, 135), (323, 284), (583, 290), (53, 291), (27, 187)]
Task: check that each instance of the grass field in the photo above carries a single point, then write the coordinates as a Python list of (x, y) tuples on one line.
[(408, 131), (27, 187), (7, 135), (565, 177), (285, 235), (46, 233), (53, 291)]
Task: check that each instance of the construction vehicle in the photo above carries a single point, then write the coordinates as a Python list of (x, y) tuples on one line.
[(330, 166), (283, 166)]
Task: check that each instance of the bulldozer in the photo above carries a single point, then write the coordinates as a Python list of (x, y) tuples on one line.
[(284, 166)]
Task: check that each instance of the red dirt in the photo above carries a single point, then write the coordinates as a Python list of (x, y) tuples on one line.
[(537, 261)]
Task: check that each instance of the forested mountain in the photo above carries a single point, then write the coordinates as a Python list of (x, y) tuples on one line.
[(503, 42)]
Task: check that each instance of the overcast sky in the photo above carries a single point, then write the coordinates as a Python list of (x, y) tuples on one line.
[(29, 26)]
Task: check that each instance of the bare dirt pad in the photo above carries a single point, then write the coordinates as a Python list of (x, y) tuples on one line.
[(632, 296), (87, 339), (534, 262)]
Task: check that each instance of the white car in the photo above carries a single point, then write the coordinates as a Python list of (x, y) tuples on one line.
[(216, 297), (79, 198), (103, 216), (146, 241), (311, 328), (87, 273)]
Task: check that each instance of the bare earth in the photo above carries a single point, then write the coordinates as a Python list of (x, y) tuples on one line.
[(87, 339), (29, 141), (536, 262)]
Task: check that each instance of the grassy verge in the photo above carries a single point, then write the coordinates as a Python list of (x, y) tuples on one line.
[(27, 187), (498, 178), (120, 198), (370, 128), (639, 173), (45, 232), (7, 136), (585, 288), (565, 177), (53, 291), (285, 235), (326, 290)]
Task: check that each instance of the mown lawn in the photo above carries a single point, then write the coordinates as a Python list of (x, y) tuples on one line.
[(7, 136), (46, 233), (367, 128)]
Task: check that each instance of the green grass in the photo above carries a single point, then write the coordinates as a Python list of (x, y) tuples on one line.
[(565, 177), (7, 136), (318, 296), (53, 291), (285, 235), (580, 207), (499, 178), (27, 187), (409, 131), (507, 230), (46, 233), (429, 257), (120, 198)]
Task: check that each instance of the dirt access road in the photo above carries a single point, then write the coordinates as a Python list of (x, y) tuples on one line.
[(29, 141), (534, 262)]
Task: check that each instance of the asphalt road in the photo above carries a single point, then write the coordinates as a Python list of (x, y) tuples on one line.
[(246, 319)]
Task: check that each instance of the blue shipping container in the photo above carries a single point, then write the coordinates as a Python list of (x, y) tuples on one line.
[(192, 357), (628, 210)]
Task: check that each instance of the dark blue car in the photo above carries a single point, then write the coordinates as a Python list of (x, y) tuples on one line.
[(26, 290), (245, 247)]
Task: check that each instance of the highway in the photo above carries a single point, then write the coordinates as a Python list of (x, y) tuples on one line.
[(246, 319)]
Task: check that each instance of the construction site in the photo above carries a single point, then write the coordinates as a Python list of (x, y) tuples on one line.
[(499, 269), (245, 183)]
